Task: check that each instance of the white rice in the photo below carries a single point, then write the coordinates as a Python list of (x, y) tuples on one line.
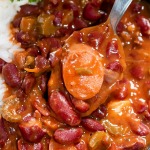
[(8, 10)]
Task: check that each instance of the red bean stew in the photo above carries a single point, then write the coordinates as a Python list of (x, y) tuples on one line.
[(85, 92)]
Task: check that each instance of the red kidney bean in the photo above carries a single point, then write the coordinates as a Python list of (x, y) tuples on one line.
[(2, 63), (140, 105), (58, 18), (54, 57), (115, 66), (41, 62), (25, 38), (92, 125), (100, 112), (43, 82), (16, 21), (60, 105), (22, 145), (20, 94), (120, 27), (63, 32), (139, 128), (48, 45), (44, 46), (81, 145), (28, 83), (31, 130), (29, 9), (77, 24), (80, 105), (33, 51), (68, 136), (95, 39), (135, 144), (144, 24), (136, 7), (137, 72), (112, 49), (3, 133), (19, 37), (91, 13), (54, 43), (121, 91), (72, 6), (11, 75), (40, 104)]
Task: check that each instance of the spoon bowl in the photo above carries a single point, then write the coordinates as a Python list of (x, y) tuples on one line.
[(93, 60)]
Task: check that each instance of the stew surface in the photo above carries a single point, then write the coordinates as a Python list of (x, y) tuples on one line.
[(87, 91)]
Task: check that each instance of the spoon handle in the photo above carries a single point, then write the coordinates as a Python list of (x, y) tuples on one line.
[(117, 11)]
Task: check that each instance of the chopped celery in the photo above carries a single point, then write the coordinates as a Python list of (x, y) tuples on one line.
[(96, 140), (83, 71), (46, 26), (27, 23), (29, 60)]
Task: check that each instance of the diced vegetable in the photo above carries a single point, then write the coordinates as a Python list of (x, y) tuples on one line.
[(27, 24), (46, 26), (96, 139), (83, 71), (29, 60), (114, 128), (10, 108)]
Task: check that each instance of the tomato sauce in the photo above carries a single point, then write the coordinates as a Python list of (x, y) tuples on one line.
[(77, 85)]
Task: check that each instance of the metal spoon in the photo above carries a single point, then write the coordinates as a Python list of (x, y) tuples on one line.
[(117, 11)]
